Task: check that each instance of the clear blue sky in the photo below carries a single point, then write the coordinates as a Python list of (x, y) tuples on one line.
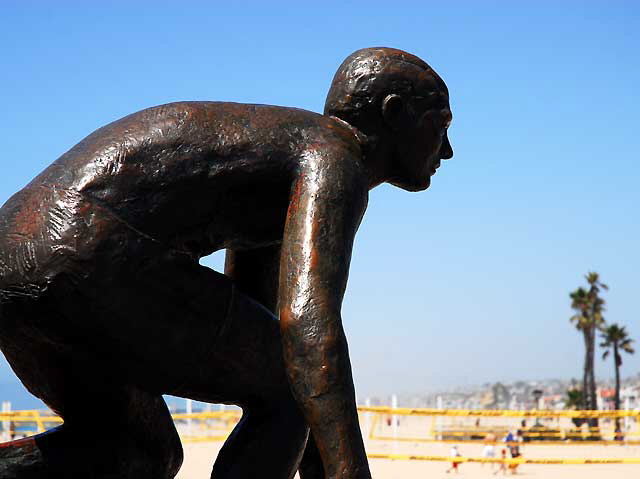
[(465, 283)]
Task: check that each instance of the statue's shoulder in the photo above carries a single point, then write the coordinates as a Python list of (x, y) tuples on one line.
[(333, 159)]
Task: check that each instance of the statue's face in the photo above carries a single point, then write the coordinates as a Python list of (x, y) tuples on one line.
[(422, 144)]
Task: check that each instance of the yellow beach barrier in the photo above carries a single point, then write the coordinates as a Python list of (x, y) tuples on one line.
[(453, 425), (519, 460), (225, 420), (31, 415), (451, 433), (499, 412)]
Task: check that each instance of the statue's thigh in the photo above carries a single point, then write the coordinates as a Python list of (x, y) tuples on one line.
[(155, 319), (184, 329), (246, 365)]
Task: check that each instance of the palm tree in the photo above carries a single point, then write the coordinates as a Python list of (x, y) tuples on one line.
[(589, 307), (575, 400), (615, 339)]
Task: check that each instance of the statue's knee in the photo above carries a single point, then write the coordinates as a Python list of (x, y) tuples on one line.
[(144, 462), (165, 452), (174, 457), (142, 452)]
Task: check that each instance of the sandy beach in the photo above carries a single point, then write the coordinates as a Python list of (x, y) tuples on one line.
[(199, 457), (414, 433)]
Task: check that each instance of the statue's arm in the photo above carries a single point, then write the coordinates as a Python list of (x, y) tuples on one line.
[(326, 207), (255, 273)]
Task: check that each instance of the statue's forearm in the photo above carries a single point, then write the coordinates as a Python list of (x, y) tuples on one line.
[(317, 361)]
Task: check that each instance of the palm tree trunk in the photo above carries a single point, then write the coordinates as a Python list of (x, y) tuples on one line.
[(616, 398), (616, 362), (589, 391), (585, 373), (593, 400), (592, 379)]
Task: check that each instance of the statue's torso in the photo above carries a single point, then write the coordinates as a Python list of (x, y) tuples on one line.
[(195, 176)]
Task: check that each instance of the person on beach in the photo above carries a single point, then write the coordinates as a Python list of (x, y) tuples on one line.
[(489, 450), (503, 465), (453, 453), (514, 451)]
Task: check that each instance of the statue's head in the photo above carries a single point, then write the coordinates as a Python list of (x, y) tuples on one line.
[(398, 99)]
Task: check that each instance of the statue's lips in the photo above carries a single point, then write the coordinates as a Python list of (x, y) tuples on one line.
[(434, 168)]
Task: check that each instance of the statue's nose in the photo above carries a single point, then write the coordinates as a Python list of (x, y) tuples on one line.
[(446, 151)]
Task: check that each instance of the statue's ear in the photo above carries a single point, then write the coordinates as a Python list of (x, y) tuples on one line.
[(393, 110)]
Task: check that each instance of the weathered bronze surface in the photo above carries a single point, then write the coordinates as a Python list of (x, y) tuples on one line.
[(105, 307)]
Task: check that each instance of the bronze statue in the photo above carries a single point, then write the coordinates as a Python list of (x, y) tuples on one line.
[(104, 306)]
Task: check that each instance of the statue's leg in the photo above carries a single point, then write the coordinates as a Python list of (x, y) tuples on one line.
[(114, 426), (267, 442), (311, 466), (247, 368), (185, 329), (158, 321), (126, 434)]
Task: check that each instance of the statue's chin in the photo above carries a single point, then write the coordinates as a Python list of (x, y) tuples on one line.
[(421, 185)]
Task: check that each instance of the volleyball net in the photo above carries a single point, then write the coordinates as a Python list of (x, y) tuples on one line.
[(391, 432), (550, 427)]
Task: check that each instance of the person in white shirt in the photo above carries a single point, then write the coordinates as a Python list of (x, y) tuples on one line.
[(454, 453)]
